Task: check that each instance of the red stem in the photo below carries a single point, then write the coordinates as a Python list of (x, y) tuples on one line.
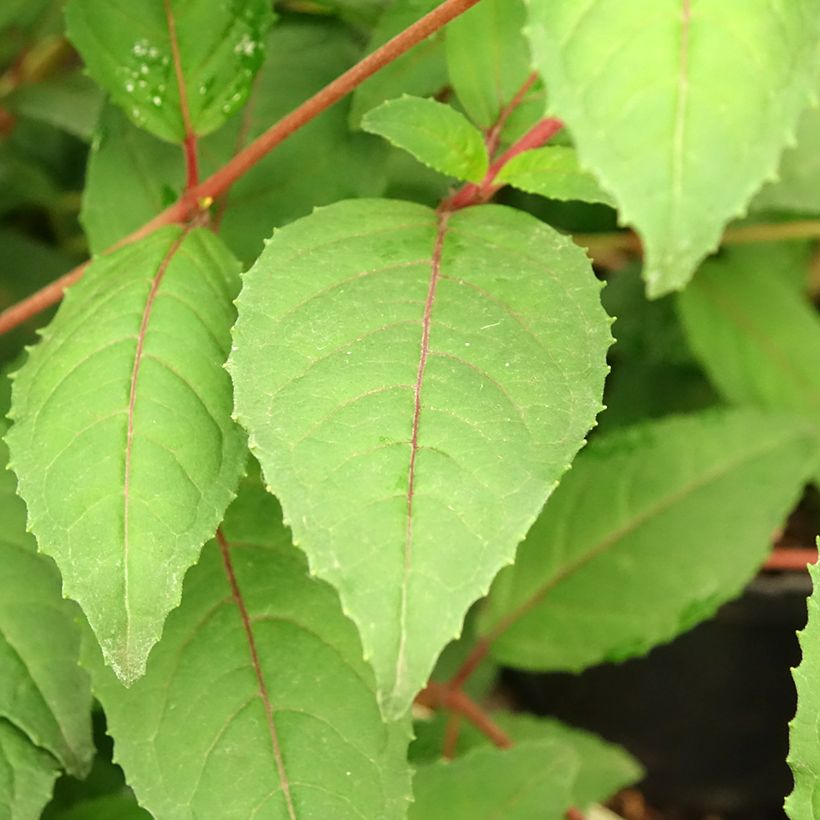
[(472, 194), (441, 696), (494, 134), (201, 196), (189, 143), (790, 558)]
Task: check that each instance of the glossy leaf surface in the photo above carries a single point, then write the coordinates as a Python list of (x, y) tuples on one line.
[(151, 56)]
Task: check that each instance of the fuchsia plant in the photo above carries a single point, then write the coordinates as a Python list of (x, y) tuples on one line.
[(295, 467)]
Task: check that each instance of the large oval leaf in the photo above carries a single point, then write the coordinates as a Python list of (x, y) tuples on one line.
[(151, 56), (45, 698), (650, 532), (414, 385), (257, 702), (123, 443), (680, 107)]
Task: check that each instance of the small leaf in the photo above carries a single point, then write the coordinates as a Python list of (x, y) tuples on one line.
[(755, 334), (488, 58), (623, 556), (45, 698), (409, 381), (302, 56), (532, 779), (257, 701), (123, 443), (434, 133), (681, 109), (604, 767), (552, 172), (130, 51), (804, 743), (422, 71)]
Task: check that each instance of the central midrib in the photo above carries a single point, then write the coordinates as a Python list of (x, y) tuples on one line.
[(424, 350), (129, 443)]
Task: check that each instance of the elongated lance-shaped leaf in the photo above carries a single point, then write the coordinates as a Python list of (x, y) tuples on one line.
[(533, 779), (172, 65), (804, 742), (256, 702), (488, 59), (123, 443), (604, 768), (434, 133), (45, 698), (650, 532), (756, 335), (666, 98), (414, 385)]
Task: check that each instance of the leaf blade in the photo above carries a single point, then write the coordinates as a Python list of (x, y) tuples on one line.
[(728, 477), (288, 664), (686, 123), (434, 133), (123, 442), (132, 57), (332, 406)]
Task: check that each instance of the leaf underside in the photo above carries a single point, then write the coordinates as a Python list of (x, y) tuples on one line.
[(650, 94), (624, 557), (414, 386), (123, 444), (257, 702)]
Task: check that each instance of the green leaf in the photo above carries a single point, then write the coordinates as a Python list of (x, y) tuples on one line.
[(680, 109), (123, 443), (130, 52), (624, 557), (257, 701), (532, 779), (804, 743), (108, 807), (303, 55), (797, 187), (70, 101), (604, 767), (412, 381), (552, 172), (488, 59), (45, 698), (422, 71), (756, 335), (434, 133)]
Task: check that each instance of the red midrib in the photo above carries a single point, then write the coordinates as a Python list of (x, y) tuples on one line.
[(257, 669), (132, 401), (435, 273)]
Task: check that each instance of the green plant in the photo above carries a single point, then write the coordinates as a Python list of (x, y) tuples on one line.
[(409, 365)]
